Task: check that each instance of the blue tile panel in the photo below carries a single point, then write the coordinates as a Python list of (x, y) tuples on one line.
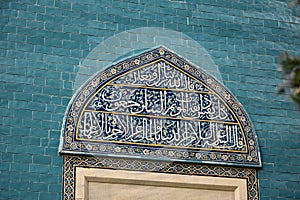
[(157, 105), (42, 44)]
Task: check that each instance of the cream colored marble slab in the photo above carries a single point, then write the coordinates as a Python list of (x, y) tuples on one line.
[(105, 184)]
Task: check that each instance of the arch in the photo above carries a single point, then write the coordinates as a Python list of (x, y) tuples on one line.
[(157, 105)]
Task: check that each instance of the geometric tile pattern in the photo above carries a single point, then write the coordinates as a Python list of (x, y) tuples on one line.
[(71, 162)]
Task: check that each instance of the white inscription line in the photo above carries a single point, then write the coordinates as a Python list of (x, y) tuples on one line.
[(157, 88), (164, 117)]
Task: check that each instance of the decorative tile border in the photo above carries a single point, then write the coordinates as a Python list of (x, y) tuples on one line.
[(71, 162), (233, 143)]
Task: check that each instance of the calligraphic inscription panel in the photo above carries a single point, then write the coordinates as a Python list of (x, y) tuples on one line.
[(157, 105)]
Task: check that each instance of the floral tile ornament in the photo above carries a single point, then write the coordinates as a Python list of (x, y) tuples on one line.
[(159, 106)]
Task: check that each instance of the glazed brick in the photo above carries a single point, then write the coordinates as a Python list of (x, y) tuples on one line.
[(53, 143), (15, 148), (56, 100), (79, 7), (26, 15), (48, 196), (70, 44), (19, 167), (297, 194), (266, 192), (17, 6), (287, 193), (34, 150), (9, 29), (63, 5), (55, 188), (88, 31), (7, 157), (6, 13), (24, 47), (65, 100), (53, 26), (52, 42), (53, 11), (42, 45), (65, 92), (38, 187), (52, 180), (5, 166), (28, 140), (22, 158), (53, 74), (50, 125), (39, 168), (37, 159), (29, 195), (12, 195), (56, 162), (36, 9), (54, 83), (5, 130), (46, 3)]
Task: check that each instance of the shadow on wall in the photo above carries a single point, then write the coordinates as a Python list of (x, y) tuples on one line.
[(132, 42)]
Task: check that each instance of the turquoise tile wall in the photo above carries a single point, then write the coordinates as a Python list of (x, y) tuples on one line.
[(43, 42)]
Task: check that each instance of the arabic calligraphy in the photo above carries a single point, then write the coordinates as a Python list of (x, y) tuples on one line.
[(161, 75), (160, 105), (157, 105), (168, 103), (156, 131)]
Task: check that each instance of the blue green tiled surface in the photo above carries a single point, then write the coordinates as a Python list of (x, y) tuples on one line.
[(43, 43)]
